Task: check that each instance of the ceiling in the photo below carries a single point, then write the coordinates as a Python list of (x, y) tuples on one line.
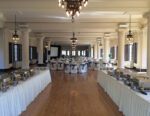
[(99, 17)]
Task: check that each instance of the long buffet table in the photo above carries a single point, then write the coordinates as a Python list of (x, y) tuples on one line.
[(16, 99), (131, 103)]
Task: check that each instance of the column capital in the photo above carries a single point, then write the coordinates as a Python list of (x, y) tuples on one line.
[(40, 36), (25, 29), (123, 30)]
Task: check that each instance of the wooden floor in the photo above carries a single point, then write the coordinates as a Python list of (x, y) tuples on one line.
[(73, 95)]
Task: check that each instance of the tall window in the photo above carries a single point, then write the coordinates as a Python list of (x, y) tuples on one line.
[(112, 51), (10, 52), (15, 52), (101, 52), (73, 53), (83, 53), (68, 53), (63, 52), (130, 52), (32, 52), (92, 52), (79, 53), (127, 50), (134, 52)]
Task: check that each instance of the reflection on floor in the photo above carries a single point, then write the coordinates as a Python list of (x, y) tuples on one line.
[(73, 95)]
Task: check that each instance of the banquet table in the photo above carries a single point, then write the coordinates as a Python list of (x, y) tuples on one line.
[(17, 98), (130, 102)]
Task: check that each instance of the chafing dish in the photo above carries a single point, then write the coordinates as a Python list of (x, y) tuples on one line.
[(15, 78), (4, 83), (121, 74), (142, 82), (32, 72), (111, 73), (25, 74)]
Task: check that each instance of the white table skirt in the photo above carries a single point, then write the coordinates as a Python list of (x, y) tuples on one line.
[(16, 99), (131, 103)]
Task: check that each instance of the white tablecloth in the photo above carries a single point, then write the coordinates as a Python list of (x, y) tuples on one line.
[(16, 99), (131, 103)]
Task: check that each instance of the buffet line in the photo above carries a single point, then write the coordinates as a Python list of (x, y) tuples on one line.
[(19, 88), (137, 81), (129, 90)]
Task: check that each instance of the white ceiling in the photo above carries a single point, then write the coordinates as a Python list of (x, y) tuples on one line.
[(99, 17)]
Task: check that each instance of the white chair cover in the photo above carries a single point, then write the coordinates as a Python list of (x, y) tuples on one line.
[(53, 66), (96, 66), (60, 65), (91, 65), (74, 68), (67, 68), (83, 68)]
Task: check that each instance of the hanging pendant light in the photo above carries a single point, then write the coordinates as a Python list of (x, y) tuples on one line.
[(130, 36), (73, 7), (46, 45), (74, 40), (15, 37)]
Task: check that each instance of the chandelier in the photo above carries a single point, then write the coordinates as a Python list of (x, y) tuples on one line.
[(74, 40), (130, 36), (73, 7), (15, 36)]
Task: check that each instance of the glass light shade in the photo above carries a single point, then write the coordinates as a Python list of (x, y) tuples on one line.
[(15, 38), (130, 38)]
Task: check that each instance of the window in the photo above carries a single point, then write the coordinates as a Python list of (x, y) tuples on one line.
[(112, 52), (126, 56), (101, 52), (15, 52), (32, 52), (134, 52), (83, 53), (79, 53), (63, 52), (68, 53), (130, 52), (92, 51), (115, 57), (73, 53), (10, 53)]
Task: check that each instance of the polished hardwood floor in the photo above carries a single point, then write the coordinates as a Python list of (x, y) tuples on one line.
[(73, 95)]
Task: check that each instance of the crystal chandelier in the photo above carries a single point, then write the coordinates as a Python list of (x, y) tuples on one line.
[(73, 7), (15, 37), (130, 36), (74, 40)]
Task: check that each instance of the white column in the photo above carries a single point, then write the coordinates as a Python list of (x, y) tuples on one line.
[(139, 50), (25, 48), (121, 43), (40, 49), (148, 45), (106, 50), (95, 50)]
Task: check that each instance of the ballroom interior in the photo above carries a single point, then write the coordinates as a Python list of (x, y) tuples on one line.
[(74, 58)]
